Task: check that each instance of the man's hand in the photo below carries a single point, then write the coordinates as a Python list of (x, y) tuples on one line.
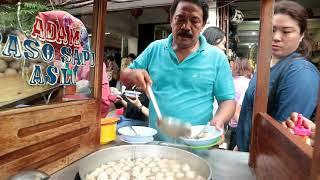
[(224, 113), (219, 124), (138, 77)]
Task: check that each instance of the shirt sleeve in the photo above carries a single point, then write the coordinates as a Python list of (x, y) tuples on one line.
[(298, 92), (224, 86), (105, 101), (105, 94)]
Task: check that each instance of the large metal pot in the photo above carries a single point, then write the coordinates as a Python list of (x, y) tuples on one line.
[(94, 160)]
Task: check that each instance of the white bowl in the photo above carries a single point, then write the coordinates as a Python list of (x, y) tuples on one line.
[(145, 134), (212, 136), (137, 141)]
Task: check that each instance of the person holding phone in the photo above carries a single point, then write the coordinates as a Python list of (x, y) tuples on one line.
[(136, 110)]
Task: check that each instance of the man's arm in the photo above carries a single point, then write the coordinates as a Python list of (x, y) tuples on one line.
[(224, 113), (125, 75), (138, 77)]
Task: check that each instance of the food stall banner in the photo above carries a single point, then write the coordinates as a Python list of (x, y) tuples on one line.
[(59, 40)]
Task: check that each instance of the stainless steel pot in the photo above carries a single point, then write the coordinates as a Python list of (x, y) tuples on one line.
[(96, 159)]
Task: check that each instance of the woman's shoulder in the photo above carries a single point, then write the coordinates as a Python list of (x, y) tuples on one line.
[(302, 64), (302, 67)]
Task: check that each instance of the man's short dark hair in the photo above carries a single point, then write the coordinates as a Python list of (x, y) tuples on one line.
[(132, 56), (203, 4)]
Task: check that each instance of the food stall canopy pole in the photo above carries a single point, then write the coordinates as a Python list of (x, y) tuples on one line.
[(263, 66), (315, 170), (99, 15)]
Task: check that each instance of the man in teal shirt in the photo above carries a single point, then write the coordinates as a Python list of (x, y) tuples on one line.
[(186, 72)]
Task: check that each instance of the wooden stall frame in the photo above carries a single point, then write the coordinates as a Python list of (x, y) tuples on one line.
[(315, 170), (279, 154), (275, 153), (263, 64), (223, 22), (51, 137), (99, 15)]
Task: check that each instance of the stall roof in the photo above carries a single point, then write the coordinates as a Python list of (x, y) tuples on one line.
[(118, 5), (85, 6)]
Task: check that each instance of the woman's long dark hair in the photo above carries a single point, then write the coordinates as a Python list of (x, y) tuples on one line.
[(299, 14), (213, 35)]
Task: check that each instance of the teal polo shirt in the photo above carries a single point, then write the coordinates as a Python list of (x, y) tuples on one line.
[(186, 90)]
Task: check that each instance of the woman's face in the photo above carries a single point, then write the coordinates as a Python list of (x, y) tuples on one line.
[(222, 44), (231, 65), (286, 35)]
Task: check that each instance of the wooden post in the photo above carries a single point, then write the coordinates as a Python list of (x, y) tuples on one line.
[(99, 14), (227, 28), (263, 67), (223, 22), (315, 170), (284, 157)]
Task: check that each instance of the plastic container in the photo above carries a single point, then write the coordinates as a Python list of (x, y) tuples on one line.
[(108, 129), (301, 131)]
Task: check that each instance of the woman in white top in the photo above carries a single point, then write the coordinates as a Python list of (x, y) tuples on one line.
[(242, 72)]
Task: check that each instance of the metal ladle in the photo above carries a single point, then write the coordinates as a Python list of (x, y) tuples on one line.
[(135, 132), (169, 125)]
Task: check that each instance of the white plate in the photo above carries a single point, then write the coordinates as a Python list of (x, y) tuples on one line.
[(214, 134), (116, 93), (132, 93), (142, 141)]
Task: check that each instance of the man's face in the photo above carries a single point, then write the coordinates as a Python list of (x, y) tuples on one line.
[(187, 24)]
